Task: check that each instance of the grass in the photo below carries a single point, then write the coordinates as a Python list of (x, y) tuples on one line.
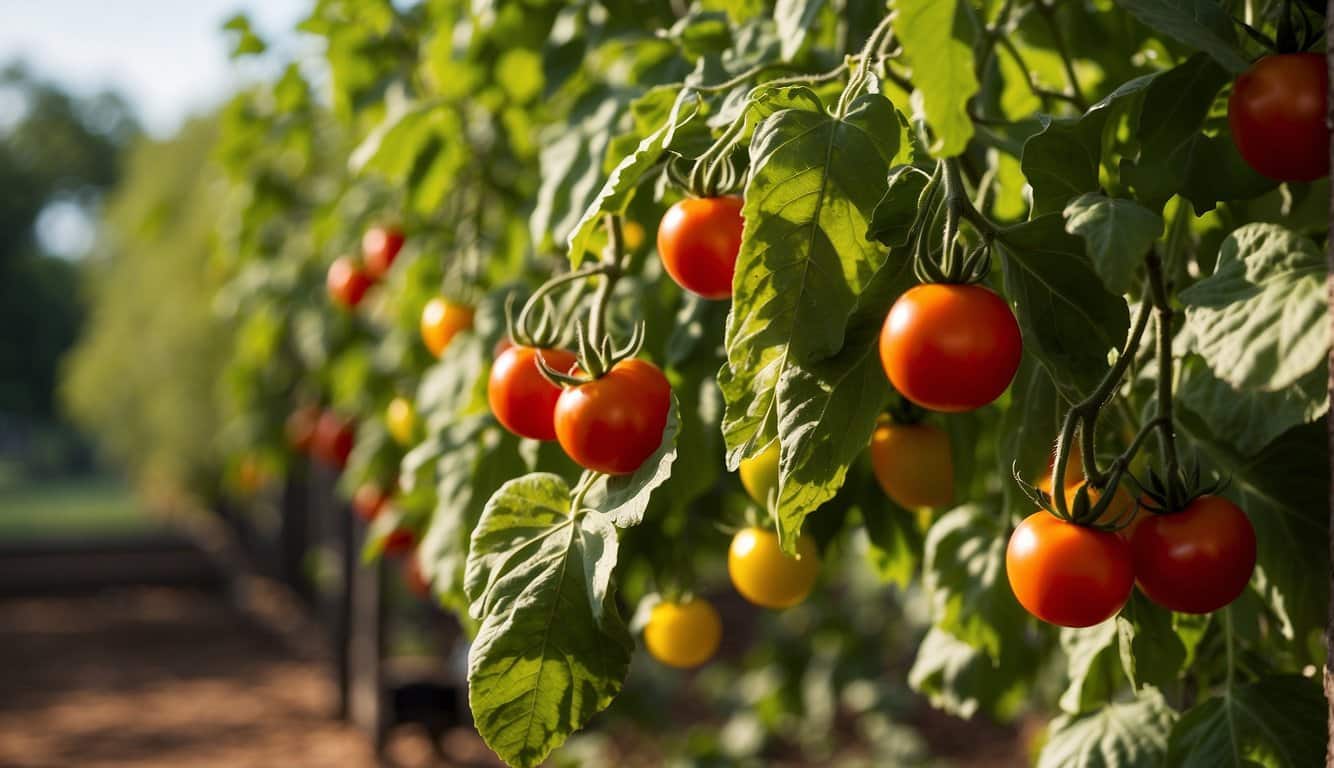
[(73, 507)]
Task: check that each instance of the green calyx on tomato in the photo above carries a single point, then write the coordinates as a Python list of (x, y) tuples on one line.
[(950, 347)]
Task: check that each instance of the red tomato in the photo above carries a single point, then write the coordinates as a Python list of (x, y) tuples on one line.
[(1067, 574), (698, 240), (379, 248), (368, 501), (502, 344), (612, 424), (950, 348), (347, 282), (414, 579), (300, 427), (521, 397), (400, 541), (1196, 560), (1277, 115), (333, 439)]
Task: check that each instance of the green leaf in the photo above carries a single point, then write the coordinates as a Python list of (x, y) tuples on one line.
[(1202, 24), (1152, 652), (571, 162), (1176, 155), (1028, 432), (1068, 319), (1278, 722), (1092, 665), (624, 499), (1261, 319), (552, 650), (1061, 161), (794, 18), (962, 680), (895, 541), (1117, 233), (936, 39), (1122, 734), (1251, 419), (964, 578), (621, 184), (892, 220), (804, 258)]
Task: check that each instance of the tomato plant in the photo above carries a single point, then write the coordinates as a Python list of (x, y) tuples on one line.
[(1098, 225)]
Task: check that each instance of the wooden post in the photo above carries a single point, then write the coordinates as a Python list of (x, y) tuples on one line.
[(294, 533), (366, 635)]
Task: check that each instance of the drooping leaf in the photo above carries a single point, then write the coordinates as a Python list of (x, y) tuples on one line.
[(964, 578), (1201, 24), (896, 211), (1093, 666), (1068, 319), (1117, 233), (1260, 320), (1121, 734), (552, 650), (1277, 722), (804, 258), (937, 40), (794, 18), (625, 498)]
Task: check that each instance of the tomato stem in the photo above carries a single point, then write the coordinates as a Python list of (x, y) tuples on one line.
[(1162, 308)]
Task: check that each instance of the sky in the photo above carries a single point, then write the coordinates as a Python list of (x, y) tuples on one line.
[(167, 57)]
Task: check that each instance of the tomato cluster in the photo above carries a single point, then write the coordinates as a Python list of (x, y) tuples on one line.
[(349, 280), (1195, 560)]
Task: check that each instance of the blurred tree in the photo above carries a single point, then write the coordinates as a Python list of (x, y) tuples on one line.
[(54, 149), (145, 373)]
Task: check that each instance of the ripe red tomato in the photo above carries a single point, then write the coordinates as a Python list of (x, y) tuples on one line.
[(333, 439), (1196, 560), (441, 320), (613, 423), (698, 240), (950, 348), (347, 282), (300, 427), (379, 248), (400, 541), (1277, 116), (368, 501), (521, 397), (1067, 574)]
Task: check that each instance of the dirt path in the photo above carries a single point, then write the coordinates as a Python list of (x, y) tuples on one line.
[(164, 677)]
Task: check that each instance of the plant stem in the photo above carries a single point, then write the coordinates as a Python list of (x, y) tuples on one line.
[(1047, 11), (1162, 309)]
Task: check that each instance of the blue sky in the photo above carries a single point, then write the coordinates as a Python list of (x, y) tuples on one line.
[(168, 57)]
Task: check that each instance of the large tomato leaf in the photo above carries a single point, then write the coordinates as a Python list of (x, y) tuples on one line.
[(1201, 24), (963, 680), (1028, 433), (1069, 320), (625, 498), (1117, 233), (1277, 722), (964, 578), (1250, 418), (1261, 319), (1176, 154), (937, 40), (552, 650), (1120, 734), (1093, 666), (571, 162), (804, 257), (1151, 649)]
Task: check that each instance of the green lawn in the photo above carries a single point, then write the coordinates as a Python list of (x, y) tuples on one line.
[(79, 507)]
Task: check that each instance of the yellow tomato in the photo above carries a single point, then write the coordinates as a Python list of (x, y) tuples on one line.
[(913, 465), (759, 474), (441, 320), (767, 577), (633, 232), (401, 420), (683, 634)]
